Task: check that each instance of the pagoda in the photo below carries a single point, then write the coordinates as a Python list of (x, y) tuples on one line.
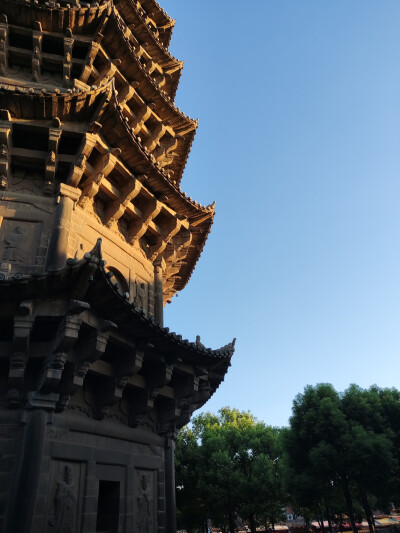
[(96, 237)]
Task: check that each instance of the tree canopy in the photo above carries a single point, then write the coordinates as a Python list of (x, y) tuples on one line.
[(228, 465), (341, 451)]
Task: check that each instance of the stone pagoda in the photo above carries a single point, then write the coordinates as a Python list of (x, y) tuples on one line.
[(96, 237)]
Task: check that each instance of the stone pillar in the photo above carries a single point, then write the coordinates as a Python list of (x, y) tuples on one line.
[(23, 493), (130, 499), (159, 267), (58, 247), (170, 497), (89, 513)]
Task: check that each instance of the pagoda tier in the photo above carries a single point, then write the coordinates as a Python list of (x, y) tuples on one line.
[(81, 131), (38, 58)]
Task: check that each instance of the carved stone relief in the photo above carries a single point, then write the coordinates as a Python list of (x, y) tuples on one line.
[(14, 248), (145, 501), (19, 241), (142, 294), (66, 494)]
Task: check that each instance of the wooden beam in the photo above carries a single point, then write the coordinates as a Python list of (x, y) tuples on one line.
[(3, 45), (37, 36), (5, 149), (67, 65)]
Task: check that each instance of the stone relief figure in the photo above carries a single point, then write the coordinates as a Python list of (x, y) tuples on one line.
[(141, 294), (12, 242), (64, 520), (143, 522)]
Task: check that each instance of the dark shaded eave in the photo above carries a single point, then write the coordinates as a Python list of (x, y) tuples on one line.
[(87, 280)]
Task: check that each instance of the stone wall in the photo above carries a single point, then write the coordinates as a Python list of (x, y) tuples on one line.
[(91, 476)]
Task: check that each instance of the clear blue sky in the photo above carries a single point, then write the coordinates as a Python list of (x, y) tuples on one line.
[(298, 143)]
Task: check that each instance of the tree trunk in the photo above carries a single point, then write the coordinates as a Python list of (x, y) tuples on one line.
[(328, 517), (252, 521), (367, 509), (231, 521), (349, 505)]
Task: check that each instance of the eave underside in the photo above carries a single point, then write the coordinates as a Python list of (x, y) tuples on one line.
[(67, 327)]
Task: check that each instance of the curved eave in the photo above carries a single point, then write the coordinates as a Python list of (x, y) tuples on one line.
[(118, 134), (179, 164), (55, 18), (120, 47), (159, 53), (199, 239), (25, 103), (106, 301), (162, 19)]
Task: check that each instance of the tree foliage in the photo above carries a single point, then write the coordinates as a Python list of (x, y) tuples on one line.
[(341, 451), (228, 465)]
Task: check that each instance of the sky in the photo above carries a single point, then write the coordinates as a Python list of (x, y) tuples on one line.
[(298, 143)]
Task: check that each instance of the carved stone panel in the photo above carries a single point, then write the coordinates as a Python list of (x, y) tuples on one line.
[(145, 516), (18, 243), (142, 294), (66, 496)]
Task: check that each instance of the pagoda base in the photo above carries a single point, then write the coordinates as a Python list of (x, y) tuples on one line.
[(67, 473)]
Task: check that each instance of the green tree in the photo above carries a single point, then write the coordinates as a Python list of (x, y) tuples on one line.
[(312, 459), (370, 448), (191, 511), (230, 464), (342, 444)]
